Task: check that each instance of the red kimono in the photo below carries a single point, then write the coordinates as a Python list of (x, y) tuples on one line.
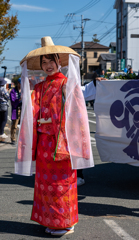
[(55, 193)]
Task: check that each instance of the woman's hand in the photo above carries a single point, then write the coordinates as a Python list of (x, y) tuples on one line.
[(101, 78)]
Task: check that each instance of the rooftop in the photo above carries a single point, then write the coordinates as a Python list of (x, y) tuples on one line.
[(112, 44), (107, 57), (89, 45)]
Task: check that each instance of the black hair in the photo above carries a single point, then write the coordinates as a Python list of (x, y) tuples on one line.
[(53, 57), (94, 76)]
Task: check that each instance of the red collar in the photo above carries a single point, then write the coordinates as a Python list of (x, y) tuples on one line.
[(54, 76)]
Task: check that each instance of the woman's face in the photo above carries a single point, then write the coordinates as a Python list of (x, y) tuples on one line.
[(49, 66)]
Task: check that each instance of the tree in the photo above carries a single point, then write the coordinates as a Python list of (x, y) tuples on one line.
[(8, 24), (95, 39)]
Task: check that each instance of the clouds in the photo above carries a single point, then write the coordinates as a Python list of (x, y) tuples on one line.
[(29, 8)]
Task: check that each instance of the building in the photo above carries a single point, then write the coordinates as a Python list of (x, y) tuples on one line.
[(107, 61), (112, 47), (92, 51), (127, 34)]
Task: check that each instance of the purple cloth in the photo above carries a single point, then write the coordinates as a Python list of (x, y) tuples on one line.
[(14, 97)]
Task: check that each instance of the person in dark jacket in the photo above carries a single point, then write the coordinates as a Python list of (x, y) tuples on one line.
[(15, 97), (4, 97)]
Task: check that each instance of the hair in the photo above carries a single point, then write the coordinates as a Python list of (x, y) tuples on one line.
[(53, 57), (94, 76)]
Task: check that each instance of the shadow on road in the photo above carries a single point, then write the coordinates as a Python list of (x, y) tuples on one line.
[(14, 179), (99, 210), (111, 180), (103, 180), (21, 228), (26, 202)]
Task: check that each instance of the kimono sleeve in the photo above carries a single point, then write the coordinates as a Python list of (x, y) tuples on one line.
[(89, 91), (36, 109), (14, 100)]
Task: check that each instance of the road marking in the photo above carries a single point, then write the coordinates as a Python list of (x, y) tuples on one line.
[(91, 121), (118, 230), (93, 144), (92, 138), (93, 141), (92, 114)]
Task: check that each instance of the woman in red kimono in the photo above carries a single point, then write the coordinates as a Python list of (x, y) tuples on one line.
[(61, 136), (55, 193)]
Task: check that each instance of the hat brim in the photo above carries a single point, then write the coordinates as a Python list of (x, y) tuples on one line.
[(33, 57)]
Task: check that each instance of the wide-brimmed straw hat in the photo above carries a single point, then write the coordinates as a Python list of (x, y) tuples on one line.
[(2, 81), (48, 47)]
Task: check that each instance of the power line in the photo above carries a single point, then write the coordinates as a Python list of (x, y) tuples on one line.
[(68, 17), (101, 20), (56, 24), (46, 25), (77, 37), (63, 28), (109, 31), (87, 6), (12, 60), (112, 33)]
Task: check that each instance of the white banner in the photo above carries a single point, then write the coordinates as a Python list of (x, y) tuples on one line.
[(117, 121)]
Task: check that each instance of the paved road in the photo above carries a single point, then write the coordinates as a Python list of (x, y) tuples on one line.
[(108, 202)]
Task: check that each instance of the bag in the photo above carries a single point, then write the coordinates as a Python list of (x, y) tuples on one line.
[(3, 107)]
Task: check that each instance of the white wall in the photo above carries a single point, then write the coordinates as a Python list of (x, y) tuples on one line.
[(132, 1), (133, 43)]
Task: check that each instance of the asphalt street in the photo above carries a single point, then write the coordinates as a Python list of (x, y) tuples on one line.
[(108, 202)]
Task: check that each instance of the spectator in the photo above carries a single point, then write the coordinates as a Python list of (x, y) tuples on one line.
[(15, 97), (96, 77), (4, 97), (102, 73), (130, 70)]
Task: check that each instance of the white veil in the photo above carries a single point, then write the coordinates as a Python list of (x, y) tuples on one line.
[(77, 127), (23, 160)]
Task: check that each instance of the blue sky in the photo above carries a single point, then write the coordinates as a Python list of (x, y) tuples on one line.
[(55, 18)]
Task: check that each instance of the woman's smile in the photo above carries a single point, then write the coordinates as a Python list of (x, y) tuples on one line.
[(49, 69), (49, 66)]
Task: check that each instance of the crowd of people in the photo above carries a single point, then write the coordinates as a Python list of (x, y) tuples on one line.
[(7, 97), (4, 98)]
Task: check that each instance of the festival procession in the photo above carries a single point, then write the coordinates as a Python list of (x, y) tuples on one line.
[(69, 120)]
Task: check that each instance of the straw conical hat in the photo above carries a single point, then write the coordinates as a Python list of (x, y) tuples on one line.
[(48, 47)]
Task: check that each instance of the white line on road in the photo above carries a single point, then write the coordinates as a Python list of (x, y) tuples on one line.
[(93, 139), (93, 144), (92, 113), (118, 230), (91, 121)]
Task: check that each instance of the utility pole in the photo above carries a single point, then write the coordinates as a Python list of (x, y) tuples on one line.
[(82, 45), (4, 75), (121, 29)]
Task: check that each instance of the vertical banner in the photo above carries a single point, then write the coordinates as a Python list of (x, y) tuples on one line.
[(117, 121)]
